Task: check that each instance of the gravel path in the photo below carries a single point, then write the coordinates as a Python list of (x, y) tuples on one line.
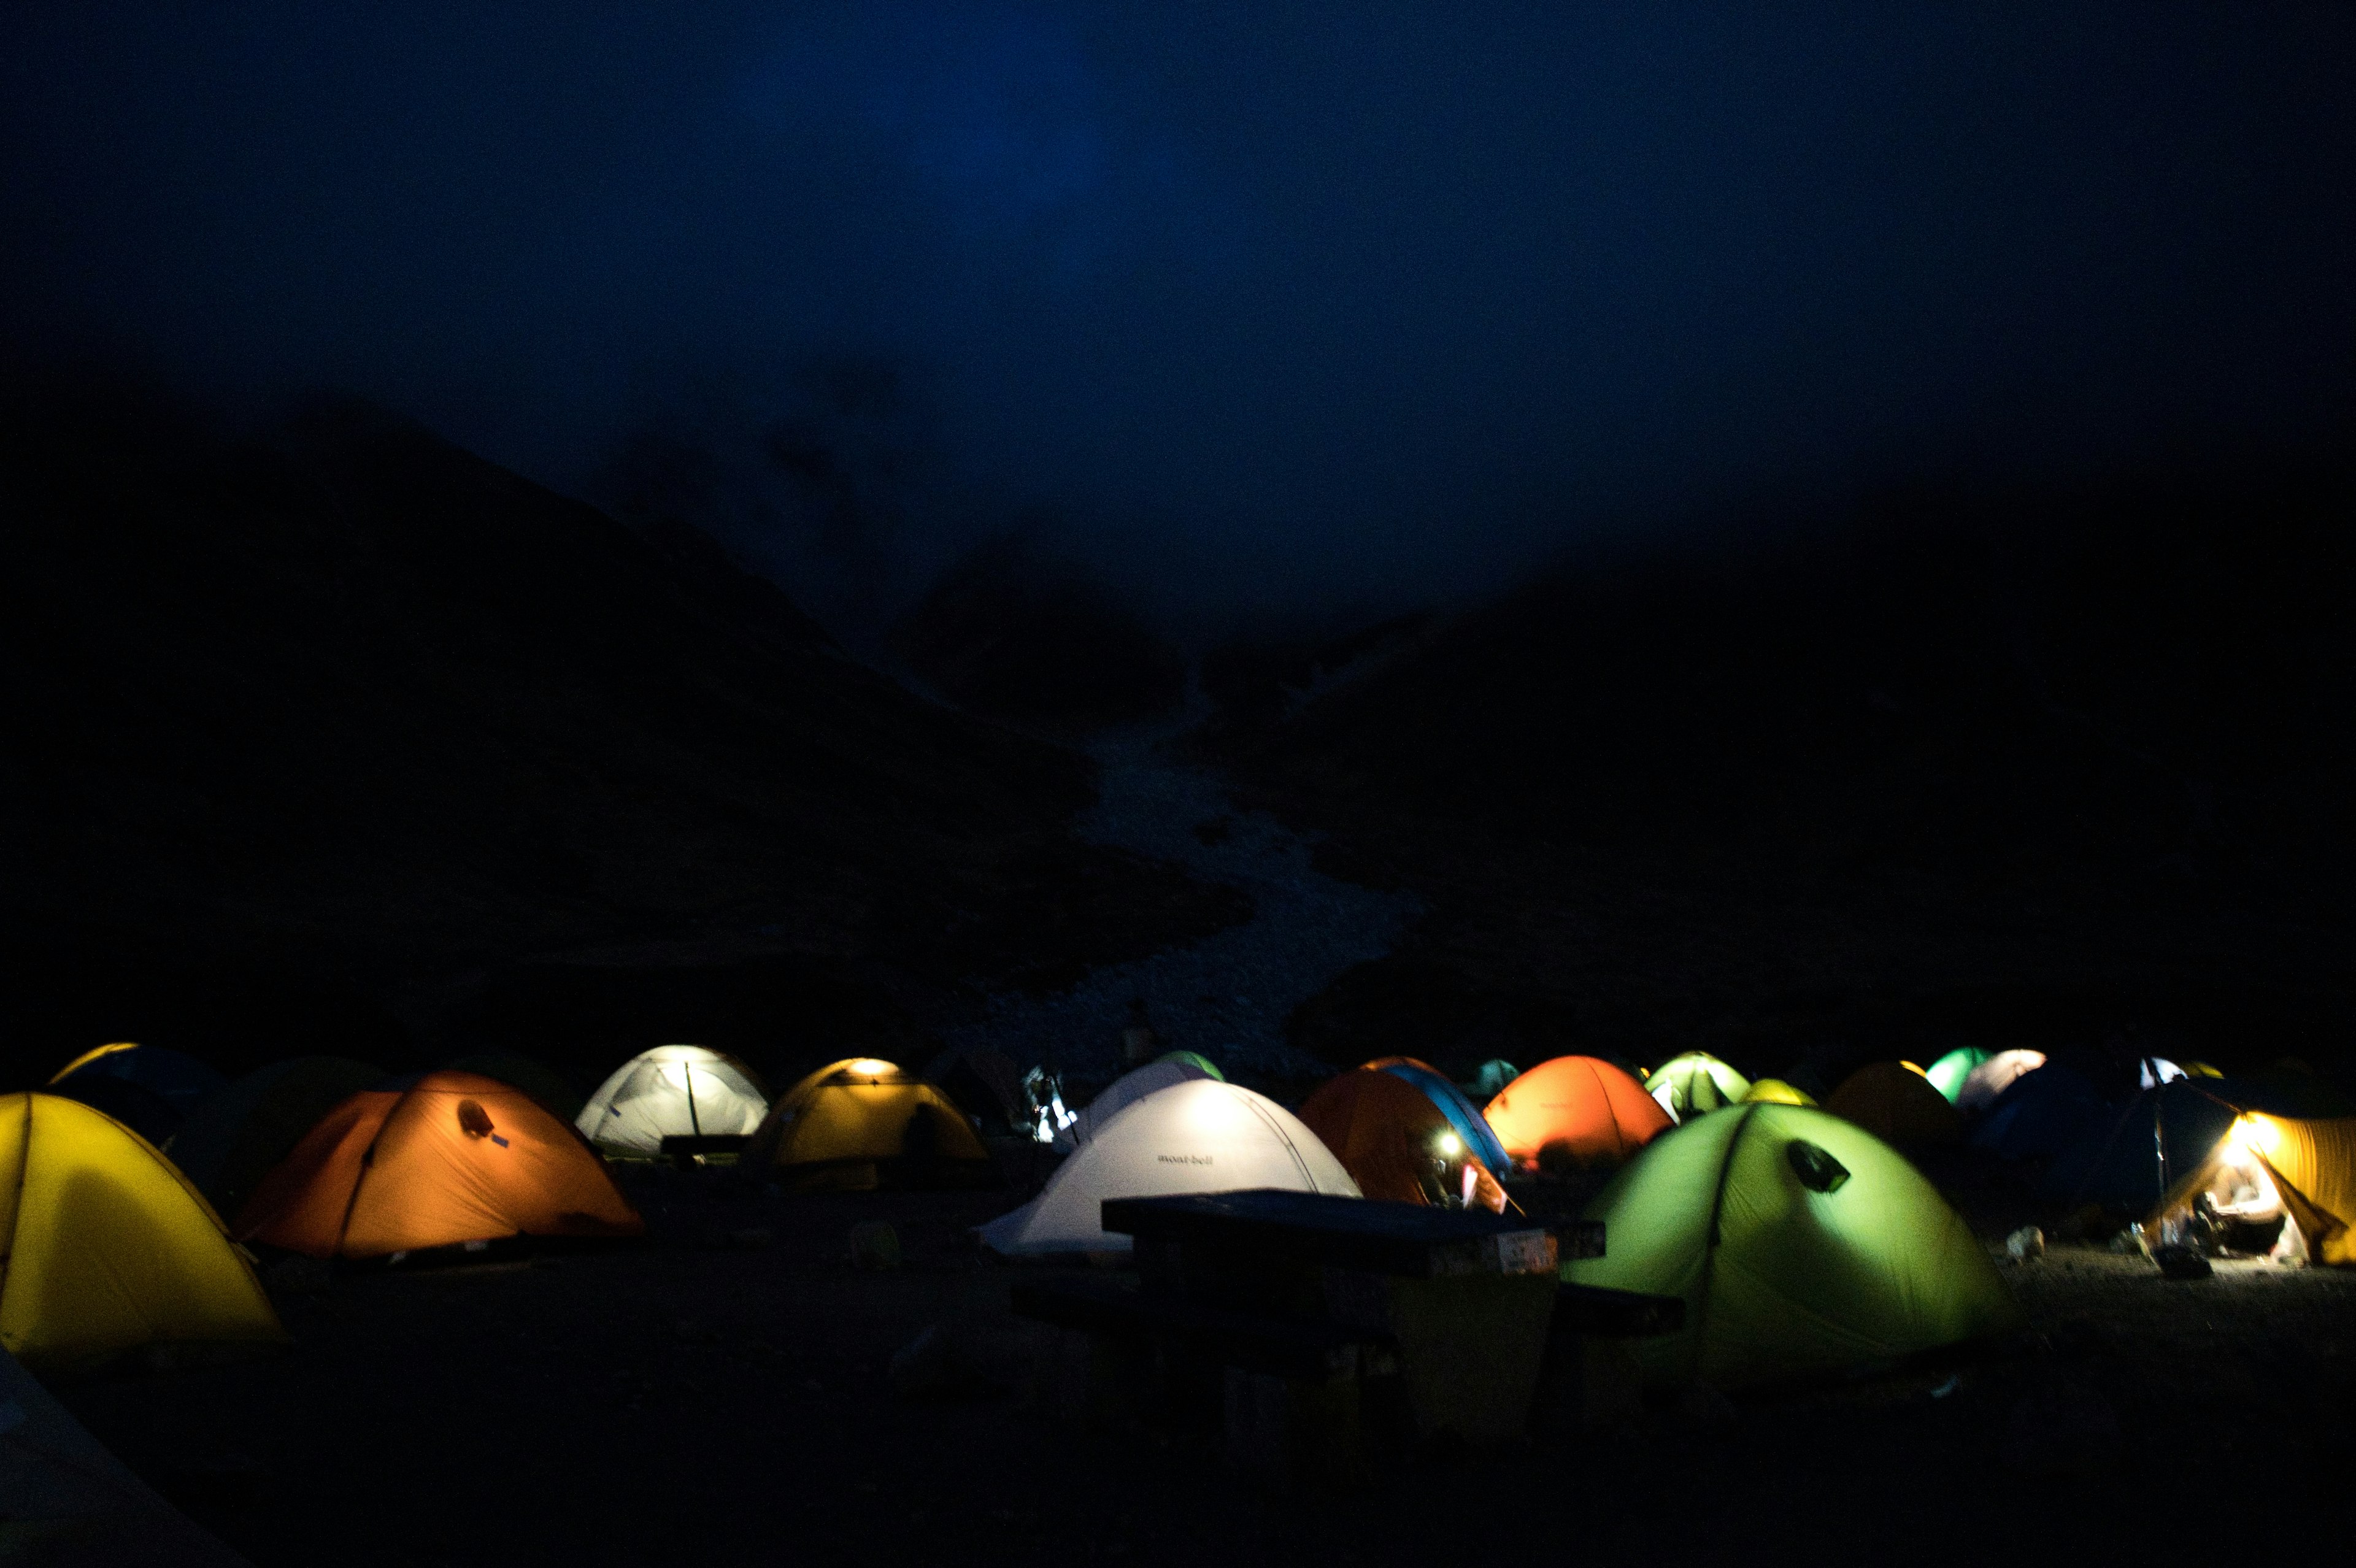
[(1226, 997)]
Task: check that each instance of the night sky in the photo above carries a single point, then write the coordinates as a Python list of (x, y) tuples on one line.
[(1292, 306)]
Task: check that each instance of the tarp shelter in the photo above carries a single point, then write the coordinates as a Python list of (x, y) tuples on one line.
[(2126, 1160), (2040, 1114), (1800, 1245), (2304, 1171), (1395, 1143), (1984, 1085), (148, 1088), (1697, 1082), (1462, 1114), (1947, 1073), (430, 1162), (1897, 1104), (104, 1247), (672, 1091), (1776, 1091), (233, 1139), (1579, 1108), (1124, 1092), (859, 1124), (1198, 1136), (71, 1504)]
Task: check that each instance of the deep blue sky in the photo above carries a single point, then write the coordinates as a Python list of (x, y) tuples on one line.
[(1284, 304)]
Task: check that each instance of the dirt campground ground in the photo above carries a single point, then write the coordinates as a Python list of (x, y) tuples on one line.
[(720, 1394)]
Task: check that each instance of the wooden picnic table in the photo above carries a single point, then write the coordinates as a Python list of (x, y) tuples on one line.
[(1324, 1328)]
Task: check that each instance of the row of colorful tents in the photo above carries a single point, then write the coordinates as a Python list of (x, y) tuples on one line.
[(1796, 1233)]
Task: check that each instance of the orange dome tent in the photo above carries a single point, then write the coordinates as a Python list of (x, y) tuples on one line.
[(1897, 1103), (454, 1157), (1597, 1113), (1393, 1140)]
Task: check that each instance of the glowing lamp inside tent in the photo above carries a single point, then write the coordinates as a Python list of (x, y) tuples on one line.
[(1450, 1145), (867, 1067)]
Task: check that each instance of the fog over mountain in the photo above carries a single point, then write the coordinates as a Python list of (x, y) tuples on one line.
[(1272, 309)]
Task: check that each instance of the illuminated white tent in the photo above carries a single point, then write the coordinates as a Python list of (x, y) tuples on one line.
[(672, 1091), (1121, 1093), (1201, 1136)]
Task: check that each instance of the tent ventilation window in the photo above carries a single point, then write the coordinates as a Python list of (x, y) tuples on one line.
[(474, 1119), (1818, 1171)]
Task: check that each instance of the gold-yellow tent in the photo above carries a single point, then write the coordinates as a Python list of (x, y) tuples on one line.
[(2304, 1168), (104, 1247), (859, 1124)]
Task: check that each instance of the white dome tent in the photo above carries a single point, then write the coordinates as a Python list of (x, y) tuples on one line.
[(1119, 1096), (672, 1091), (1201, 1136)]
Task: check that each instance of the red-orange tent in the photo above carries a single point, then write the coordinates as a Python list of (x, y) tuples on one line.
[(1394, 1142), (1586, 1108), (1896, 1104), (454, 1157)]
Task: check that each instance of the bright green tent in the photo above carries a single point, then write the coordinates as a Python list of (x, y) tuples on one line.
[(1800, 1245), (1947, 1073), (1696, 1082)]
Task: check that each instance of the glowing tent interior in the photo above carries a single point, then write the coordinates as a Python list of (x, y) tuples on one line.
[(672, 1091), (860, 1124), (1802, 1245), (1396, 1144), (1198, 1136), (1697, 1082), (107, 1248), (1578, 1109), (444, 1158)]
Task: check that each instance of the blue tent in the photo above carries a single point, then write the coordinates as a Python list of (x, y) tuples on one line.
[(2126, 1160), (1461, 1114), (2042, 1113)]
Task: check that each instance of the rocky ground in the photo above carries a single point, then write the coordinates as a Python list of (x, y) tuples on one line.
[(722, 1393)]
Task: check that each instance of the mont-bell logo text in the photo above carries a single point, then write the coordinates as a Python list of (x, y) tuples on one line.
[(1184, 1158)]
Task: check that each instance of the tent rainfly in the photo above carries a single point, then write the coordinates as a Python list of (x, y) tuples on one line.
[(672, 1091), (231, 1140), (1800, 1245), (1983, 1085), (441, 1160), (1462, 1114), (1124, 1092), (1897, 1103), (1581, 1109), (1947, 1073), (1693, 1083), (1198, 1136), (104, 1247), (860, 1124), (1396, 1144)]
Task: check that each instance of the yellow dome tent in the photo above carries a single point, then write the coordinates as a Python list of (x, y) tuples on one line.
[(859, 1124), (1776, 1091), (1801, 1246), (107, 1248)]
